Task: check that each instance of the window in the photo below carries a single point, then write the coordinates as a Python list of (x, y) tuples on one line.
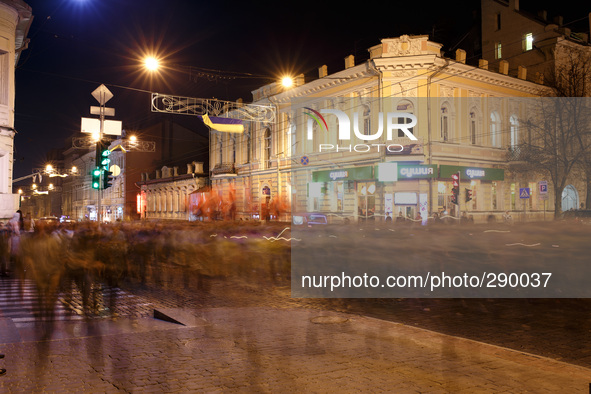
[(366, 120), (514, 132), (444, 124), (498, 54), (493, 194), (498, 21), (495, 129), (473, 127), (267, 148), (528, 42), (405, 106)]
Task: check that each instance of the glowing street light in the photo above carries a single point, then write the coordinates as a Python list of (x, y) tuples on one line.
[(151, 63), (287, 82)]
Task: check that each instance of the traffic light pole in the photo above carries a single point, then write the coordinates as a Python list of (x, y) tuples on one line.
[(99, 191), (459, 188)]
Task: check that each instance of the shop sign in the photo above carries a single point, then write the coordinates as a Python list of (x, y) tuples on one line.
[(472, 173), (346, 174), (417, 172)]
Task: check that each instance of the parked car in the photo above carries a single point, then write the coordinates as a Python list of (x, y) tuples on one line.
[(308, 219), (49, 219)]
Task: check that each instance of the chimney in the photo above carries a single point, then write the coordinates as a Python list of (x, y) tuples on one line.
[(300, 80), (189, 168), (143, 175), (322, 71), (175, 171), (514, 5), (504, 67), (483, 64), (460, 56), (158, 174), (349, 61), (521, 72), (558, 20), (198, 166), (543, 14)]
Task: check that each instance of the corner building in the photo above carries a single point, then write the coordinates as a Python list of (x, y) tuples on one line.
[(467, 120)]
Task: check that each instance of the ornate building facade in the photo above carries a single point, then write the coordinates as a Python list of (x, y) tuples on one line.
[(467, 119), (15, 21)]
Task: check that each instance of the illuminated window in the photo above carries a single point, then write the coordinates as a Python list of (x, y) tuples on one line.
[(498, 54), (528, 42)]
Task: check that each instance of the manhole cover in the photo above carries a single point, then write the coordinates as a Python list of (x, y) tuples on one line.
[(328, 320)]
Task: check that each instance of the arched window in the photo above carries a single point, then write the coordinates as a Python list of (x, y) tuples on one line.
[(445, 123), (267, 147), (495, 129), (366, 120), (405, 106), (220, 150), (514, 135)]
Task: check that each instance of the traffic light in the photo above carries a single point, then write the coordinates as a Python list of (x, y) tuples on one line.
[(455, 189), (107, 179), (468, 195), (105, 160), (96, 178)]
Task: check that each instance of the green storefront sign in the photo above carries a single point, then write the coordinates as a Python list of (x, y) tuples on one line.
[(344, 174), (472, 173)]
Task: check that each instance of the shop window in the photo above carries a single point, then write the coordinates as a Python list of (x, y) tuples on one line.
[(493, 194), (340, 196), (366, 202)]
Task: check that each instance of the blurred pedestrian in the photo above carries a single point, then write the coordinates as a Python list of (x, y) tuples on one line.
[(14, 229), (4, 250)]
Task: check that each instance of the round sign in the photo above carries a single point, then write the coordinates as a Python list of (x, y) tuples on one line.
[(115, 169), (304, 160)]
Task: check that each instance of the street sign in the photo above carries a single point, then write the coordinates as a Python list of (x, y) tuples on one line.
[(543, 185), (102, 94), (524, 192), (304, 160), (90, 125), (107, 111)]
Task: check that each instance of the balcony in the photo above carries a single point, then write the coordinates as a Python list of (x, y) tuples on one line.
[(223, 168), (514, 154)]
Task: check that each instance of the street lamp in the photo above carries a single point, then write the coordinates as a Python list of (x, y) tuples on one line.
[(151, 63), (287, 82)]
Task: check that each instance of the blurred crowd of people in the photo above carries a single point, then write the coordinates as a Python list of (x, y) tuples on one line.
[(84, 258)]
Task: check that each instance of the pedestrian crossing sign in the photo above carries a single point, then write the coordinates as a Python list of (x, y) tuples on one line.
[(524, 192)]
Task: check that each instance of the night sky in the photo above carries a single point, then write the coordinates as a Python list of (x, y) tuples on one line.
[(78, 44)]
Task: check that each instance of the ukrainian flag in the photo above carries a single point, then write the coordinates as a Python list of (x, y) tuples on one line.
[(223, 124)]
